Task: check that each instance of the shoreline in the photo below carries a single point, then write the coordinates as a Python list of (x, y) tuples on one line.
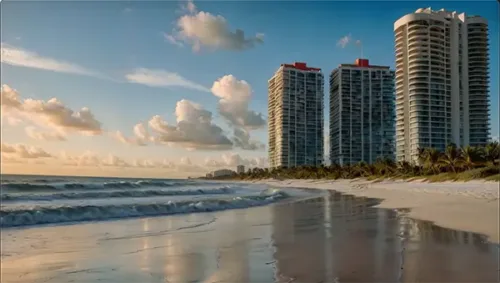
[(468, 206)]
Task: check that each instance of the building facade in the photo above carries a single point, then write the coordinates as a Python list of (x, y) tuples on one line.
[(442, 77), (295, 116), (361, 113), (240, 169)]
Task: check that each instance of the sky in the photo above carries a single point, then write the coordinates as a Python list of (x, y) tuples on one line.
[(174, 88)]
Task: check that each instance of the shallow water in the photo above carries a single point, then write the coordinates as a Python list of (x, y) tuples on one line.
[(329, 238), (39, 200)]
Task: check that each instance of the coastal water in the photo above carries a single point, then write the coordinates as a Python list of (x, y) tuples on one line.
[(287, 235), (35, 200)]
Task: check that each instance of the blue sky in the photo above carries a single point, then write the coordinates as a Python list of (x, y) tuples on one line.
[(115, 38)]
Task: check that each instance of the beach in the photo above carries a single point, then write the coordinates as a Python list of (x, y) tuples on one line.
[(286, 231), (468, 206)]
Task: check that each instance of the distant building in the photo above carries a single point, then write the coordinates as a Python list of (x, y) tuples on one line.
[(442, 75), (222, 172), (240, 169), (295, 116), (362, 113), (209, 175)]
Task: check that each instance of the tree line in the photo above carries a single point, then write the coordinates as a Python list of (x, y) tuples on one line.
[(454, 163)]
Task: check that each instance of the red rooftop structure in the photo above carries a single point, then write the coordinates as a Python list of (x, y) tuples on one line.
[(363, 63), (301, 66)]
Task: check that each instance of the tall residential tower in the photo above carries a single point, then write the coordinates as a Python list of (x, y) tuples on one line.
[(361, 113), (295, 116), (441, 81)]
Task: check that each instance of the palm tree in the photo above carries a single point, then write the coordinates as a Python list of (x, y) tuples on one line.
[(422, 155), (452, 157), (471, 156), (492, 152), (432, 159)]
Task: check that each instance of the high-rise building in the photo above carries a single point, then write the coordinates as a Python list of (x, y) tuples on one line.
[(361, 113), (295, 116), (240, 169), (441, 81)]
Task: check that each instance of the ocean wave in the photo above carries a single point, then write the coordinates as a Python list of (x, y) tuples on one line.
[(62, 214), (30, 187), (43, 181), (112, 194)]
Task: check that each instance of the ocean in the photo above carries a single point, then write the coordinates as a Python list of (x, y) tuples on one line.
[(36, 200), (114, 230)]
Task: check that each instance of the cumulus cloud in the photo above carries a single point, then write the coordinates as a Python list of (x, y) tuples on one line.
[(44, 136), (242, 139), (162, 78), (234, 159), (92, 159), (194, 129), (114, 161), (15, 56), (235, 97), (23, 151), (198, 29), (140, 138), (52, 113)]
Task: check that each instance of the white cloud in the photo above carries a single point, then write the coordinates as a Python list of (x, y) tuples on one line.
[(232, 160), (10, 98), (344, 41), (191, 8), (23, 58), (114, 161), (170, 38), (204, 29), (12, 121), (92, 159), (194, 129), (242, 139), (52, 113), (235, 97), (146, 163), (140, 138), (44, 136), (23, 151), (162, 78)]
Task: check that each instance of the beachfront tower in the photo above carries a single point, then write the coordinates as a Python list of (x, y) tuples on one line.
[(441, 81), (361, 113), (295, 116)]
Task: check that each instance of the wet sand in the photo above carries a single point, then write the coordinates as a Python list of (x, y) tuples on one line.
[(328, 238), (468, 206)]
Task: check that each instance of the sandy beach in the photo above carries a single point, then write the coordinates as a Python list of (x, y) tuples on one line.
[(469, 206), (327, 237)]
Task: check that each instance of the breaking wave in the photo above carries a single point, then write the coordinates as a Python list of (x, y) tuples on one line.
[(62, 214), (112, 194), (30, 187)]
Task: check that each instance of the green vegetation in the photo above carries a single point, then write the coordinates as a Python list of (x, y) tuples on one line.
[(454, 164)]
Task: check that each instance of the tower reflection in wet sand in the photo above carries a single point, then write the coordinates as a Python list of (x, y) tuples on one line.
[(344, 238)]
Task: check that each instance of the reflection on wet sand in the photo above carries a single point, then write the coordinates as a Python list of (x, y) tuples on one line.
[(329, 238), (342, 238)]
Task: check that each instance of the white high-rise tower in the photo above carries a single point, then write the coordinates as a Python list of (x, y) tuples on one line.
[(295, 116), (442, 76)]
